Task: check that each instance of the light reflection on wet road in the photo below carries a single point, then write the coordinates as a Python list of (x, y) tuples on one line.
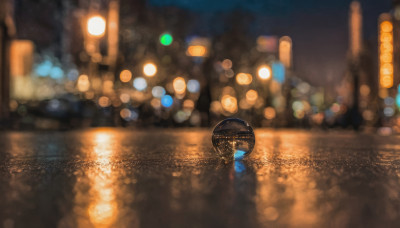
[(172, 178)]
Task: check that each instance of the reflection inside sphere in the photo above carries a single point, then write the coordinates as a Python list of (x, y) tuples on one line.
[(233, 139)]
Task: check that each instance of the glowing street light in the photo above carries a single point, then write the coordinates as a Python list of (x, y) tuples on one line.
[(149, 69), (96, 26), (264, 72)]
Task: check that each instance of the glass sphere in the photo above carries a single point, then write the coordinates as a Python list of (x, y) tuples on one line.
[(233, 138)]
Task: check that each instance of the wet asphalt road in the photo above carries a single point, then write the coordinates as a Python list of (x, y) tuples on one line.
[(172, 178)]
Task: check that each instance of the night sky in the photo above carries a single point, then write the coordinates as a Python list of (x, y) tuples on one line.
[(319, 29)]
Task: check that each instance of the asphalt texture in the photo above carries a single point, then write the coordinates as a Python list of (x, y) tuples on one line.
[(109, 177)]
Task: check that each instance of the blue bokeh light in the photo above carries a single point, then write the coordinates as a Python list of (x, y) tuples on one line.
[(73, 74), (167, 101), (193, 86), (44, 68), (278, 72), (398, 100), (56, 73)]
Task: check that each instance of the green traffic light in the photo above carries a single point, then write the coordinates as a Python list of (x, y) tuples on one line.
[(166, 39)]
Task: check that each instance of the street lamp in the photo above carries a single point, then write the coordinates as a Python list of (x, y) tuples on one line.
[(264, 72), (96, 26)]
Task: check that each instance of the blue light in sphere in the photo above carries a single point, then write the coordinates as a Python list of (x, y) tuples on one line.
[(239, 154), (167, 101), (239, 167), (278, 72), (140, 83), (193, 86)]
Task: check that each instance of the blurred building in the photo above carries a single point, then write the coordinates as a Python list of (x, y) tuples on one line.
[(358, 90), (126, 62), (362, 68), (389, 66), (21, 63), (355, 31), (6, 32)]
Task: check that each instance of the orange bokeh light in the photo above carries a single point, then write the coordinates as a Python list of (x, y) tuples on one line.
[(197, 51), (244, 79)]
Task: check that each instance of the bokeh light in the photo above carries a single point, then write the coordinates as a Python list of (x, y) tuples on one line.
[(83, 83), (13, 105), (244, 79), (197, 51), (251, 96), (285, 51), (44, 68), (96, 26), (278, 72), (125, 76), (140, 83), (149, 69), (166, 39), (229, 103), (108, 87), (104, 101), (56, 73), (216, 107), (269, 113), (188, 105), (158, 91), (228, 90), (223, 82), (227, 64), (125, 113), (124, 97), (229, 73), (193, 86), (264, 72), (386, 54), (386, 26), (364, 90), (181, 116), (155, 103), (179, 85), (243, 104), (128, 114), (167, 101)]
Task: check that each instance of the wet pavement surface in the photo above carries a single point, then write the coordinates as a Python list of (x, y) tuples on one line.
[(173, 178)]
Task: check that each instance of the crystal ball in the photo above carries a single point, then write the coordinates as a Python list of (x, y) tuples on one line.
[(233, 138)]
